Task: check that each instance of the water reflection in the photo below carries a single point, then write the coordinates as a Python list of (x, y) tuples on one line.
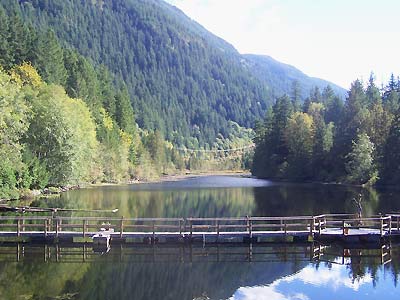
[(136, 276), (147, 272), (325, 282), (217, 196)]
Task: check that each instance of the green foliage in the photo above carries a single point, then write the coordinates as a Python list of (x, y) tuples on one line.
[(357, 142), (299, 137), (62, 133), (8, 181), (185, 82), (49, 59), (39, 177), (13, 125), (391, 157), (360, 164), (180, 77)]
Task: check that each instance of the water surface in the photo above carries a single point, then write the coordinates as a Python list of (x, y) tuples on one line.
[(247, 272)]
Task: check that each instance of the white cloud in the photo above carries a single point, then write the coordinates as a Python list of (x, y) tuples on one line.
[(329, 280)]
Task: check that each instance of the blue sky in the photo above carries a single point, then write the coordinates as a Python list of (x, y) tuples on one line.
[(337, 40)]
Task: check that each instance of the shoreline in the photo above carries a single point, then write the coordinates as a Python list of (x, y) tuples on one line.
[(57, 191), (177, 177)]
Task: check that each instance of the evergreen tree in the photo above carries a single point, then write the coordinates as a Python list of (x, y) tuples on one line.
[(372, 93), (124, 111), (50, 62), (296, 95), (5, 49), (391, 157)]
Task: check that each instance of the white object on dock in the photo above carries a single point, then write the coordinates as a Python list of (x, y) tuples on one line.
[(103, 237)]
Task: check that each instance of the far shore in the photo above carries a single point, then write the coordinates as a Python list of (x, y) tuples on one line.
[(177, 177)]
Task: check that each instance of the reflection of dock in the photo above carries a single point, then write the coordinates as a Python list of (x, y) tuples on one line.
[(322, 228), (76, 253), (347, 256), (85, 253)]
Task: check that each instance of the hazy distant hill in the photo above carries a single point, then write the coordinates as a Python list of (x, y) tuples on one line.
[(183, 80), (280, 77)]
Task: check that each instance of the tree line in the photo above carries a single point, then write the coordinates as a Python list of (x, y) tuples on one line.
[(63, 121), (326, 139), (186, 83)]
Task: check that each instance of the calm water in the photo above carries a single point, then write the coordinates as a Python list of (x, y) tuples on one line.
[(273, 272)]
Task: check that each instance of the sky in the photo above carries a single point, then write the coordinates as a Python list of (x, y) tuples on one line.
[(336, 40)]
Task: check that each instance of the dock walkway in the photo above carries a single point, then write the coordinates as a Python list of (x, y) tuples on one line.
[(322, 228)]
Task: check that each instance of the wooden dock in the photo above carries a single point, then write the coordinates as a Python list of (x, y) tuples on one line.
[(322, 228)]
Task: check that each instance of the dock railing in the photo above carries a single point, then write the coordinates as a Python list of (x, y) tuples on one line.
[(244, 226), (395, 222), (88, 225), (20, 224), (252, 225), (347, 222)]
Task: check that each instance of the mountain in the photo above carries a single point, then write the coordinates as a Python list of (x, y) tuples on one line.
[(280, 77), (182, 80)]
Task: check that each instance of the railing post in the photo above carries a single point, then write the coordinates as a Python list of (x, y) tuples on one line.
[(343, 226), (251, 227), (45, 227), (285, 226), (319, 225), (121, 227), (57, 226), (381, 229), (390, 225), (18, 226), (154, 232), (312, 221), (217, 224), (84, 229), (180, 227), (398, 223), (191, 229)]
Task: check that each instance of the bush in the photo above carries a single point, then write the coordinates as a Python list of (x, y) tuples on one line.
[(8, 181)]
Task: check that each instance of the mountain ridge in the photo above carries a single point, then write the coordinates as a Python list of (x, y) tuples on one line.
[(290, 74)]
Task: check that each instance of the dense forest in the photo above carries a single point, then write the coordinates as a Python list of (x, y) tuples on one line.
[(325, 139), (186, 83), (65, 122)]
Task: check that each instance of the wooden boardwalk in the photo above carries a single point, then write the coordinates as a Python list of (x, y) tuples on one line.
[(322, 228)]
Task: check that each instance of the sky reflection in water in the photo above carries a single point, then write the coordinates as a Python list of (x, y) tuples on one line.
[(326, 283)]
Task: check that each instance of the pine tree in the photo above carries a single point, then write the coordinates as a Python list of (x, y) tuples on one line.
[(50, 62), (391, 157), (372, 93), (5, 53), (124, 111)]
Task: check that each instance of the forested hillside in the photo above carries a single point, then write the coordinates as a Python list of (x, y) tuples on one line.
[(357, 141), (183, 81), (63, 121), (113, 91), (286, 79)]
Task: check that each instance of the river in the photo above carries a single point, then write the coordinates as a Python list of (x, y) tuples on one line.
[(207, 272)]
